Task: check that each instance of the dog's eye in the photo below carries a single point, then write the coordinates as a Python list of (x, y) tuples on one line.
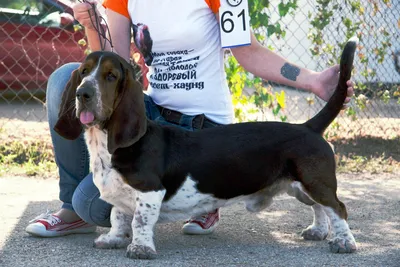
[(84, 71), (111, 77)]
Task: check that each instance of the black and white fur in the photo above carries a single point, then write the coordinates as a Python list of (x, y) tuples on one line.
[(152, 173)]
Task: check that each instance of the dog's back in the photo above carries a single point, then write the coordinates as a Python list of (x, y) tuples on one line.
[(251, 157)]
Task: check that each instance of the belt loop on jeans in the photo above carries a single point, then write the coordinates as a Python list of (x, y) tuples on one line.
[(198, 121), (165, 111)]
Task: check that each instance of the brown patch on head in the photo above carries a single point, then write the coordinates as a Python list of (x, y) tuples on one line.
[(101, 74), (110, 76), (111, 93)]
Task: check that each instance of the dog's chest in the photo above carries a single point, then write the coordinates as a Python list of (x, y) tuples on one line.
[(110, 183)]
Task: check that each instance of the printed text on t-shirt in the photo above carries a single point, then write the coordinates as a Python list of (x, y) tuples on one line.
[(175, 70)]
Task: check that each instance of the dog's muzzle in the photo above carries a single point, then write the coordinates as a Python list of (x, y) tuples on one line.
[(85, 95)]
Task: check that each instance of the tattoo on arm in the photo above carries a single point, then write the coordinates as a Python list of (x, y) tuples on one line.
[(290, 72)]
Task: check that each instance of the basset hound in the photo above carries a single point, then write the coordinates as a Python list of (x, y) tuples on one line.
[(152, 173)]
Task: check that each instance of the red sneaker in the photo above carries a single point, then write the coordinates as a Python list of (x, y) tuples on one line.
[(50, 225), (202, 225)]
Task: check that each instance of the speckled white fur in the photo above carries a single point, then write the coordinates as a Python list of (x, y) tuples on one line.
[(148, 208)]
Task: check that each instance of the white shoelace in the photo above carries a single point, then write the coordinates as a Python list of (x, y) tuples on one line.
[(202, 218), (48, 217)]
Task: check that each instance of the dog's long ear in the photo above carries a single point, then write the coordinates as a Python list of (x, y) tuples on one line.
[(128, 122), (68, 125)]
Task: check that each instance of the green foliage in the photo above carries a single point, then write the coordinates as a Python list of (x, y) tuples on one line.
[(27, 158), (261, 99), (354, 21)]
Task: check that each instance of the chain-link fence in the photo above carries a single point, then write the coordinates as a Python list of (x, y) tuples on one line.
[(37, 36), (375, 109)]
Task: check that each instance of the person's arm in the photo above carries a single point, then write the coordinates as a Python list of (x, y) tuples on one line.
[(266, 64), (119, 27)]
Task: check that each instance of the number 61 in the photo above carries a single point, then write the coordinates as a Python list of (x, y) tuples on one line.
[(231, 24)]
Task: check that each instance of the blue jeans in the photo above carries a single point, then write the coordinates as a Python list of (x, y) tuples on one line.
[(77, 190)]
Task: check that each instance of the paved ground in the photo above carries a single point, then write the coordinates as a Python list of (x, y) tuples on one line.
[(270, 238)]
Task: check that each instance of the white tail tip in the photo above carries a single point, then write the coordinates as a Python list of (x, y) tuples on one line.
[(354, 39)]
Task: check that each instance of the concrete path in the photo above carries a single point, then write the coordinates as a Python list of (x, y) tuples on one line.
[(270, 238)]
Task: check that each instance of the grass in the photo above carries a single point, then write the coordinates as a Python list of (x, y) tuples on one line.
[(368, 154), (26, 148), (366, 145), (26, 158), (376, 162)]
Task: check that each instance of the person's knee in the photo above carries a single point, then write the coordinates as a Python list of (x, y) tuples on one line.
[(91, 210), (59, 79), (89, 206)]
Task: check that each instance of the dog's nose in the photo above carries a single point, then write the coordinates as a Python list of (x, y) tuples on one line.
[(84, 94)]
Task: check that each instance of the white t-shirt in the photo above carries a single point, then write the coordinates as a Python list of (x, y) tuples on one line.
[(187, 72)]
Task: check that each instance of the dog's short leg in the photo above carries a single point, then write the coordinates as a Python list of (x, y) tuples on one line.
[(342, 239), (120, 234), (264, 198), (322, 190), (258, 203), (296, 190), (319, 229), (146, 215)]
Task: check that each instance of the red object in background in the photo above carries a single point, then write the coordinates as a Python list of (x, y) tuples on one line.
[(35, 40)]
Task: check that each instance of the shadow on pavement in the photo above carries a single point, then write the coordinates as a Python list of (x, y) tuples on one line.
[(270, 238)]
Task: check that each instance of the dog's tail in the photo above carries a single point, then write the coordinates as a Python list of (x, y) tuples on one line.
[(324, 118)]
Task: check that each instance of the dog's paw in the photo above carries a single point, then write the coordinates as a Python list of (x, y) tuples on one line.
[(314, 233), (106, 241), (342, 245), (140, 252)]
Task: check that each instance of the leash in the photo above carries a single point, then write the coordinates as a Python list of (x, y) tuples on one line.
[(97, 26)]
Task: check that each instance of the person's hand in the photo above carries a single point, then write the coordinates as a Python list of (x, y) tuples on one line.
[(82, 11), (325, 84)]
